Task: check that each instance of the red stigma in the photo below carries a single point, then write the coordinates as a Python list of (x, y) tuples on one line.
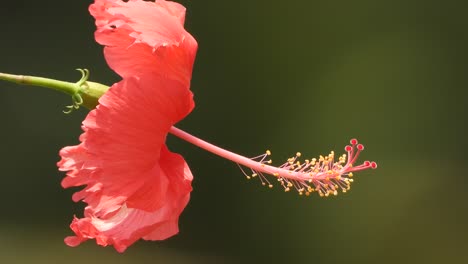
[(348, 148), (360, 147), (373, 165), (353, 141)]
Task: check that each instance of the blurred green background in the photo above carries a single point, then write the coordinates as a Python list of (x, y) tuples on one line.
[(289, 76)]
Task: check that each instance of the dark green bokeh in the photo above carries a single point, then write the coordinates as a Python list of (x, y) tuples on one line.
[(284, 75)]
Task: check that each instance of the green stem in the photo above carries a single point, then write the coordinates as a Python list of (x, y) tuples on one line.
[(61, 86), (82, 92)]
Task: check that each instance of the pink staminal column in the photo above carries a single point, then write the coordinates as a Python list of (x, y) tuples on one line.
[(323, 175)]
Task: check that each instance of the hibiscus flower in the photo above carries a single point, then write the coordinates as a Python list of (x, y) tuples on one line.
[(135, 188)]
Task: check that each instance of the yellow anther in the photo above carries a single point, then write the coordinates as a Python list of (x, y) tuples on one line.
[(351, 180), (350, 174), (268, 152), (254, 175), (300, 193), (290, 184), (248, 177), (335, 193), (270, 186), (327, 178), (307, 193), (344, 190), (298, 163), (276, 174), (327, 194), (338, 177), (306, 161), (286, 189), (298, 154), (269, 161), (263, 183)]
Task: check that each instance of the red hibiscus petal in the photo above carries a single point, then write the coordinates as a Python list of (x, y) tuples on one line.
[(141, 37), (135, 187), (128, 224)]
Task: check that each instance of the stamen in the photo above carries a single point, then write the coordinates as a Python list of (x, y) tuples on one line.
[(323, 175)]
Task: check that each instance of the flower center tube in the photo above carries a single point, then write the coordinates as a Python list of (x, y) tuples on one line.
[(322, 175)]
